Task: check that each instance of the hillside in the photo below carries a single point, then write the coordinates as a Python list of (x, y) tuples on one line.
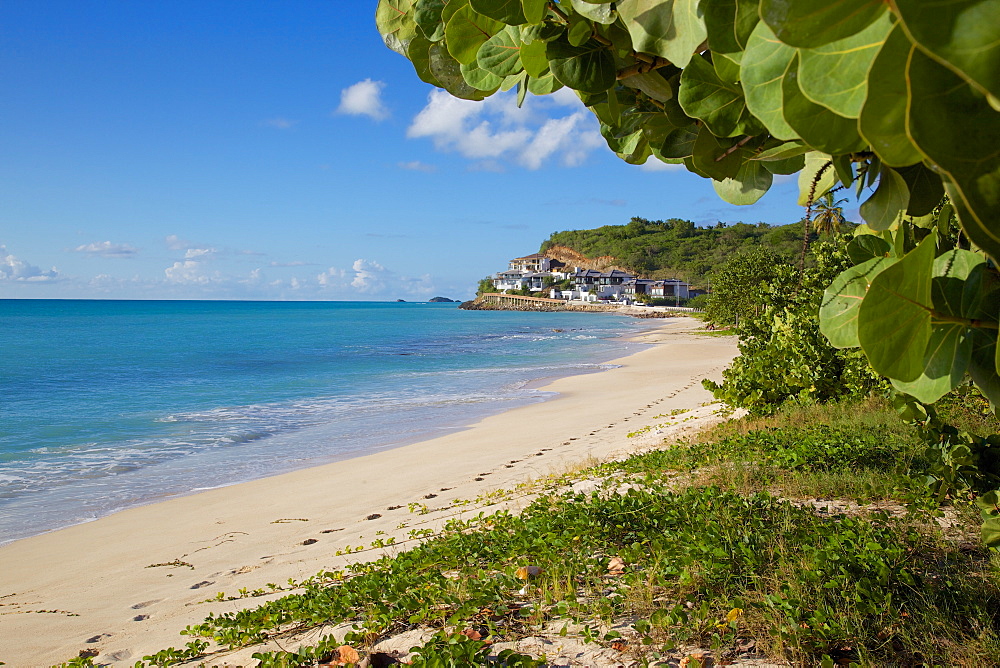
[(671, 248)]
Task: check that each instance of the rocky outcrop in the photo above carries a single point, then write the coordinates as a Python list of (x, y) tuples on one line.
[(441, 300), (572, 258)]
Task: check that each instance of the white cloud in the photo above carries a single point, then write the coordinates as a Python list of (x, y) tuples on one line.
[(496, 129), (188, 271), (417, 166), (364, 99), (193, 253), (369, 276), (108, 249), (15, 269)]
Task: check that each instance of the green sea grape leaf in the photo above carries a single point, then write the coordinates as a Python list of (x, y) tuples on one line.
[(816, 163), (534, 10), (959, 132), (816, 125), (589, 68), (601, 13), (467, 30), (672, 29), (880, 210), (864, 247), (752, 180), (964, 35), (729, 23), (983, 366), (955, 291), (845, 169), (580, 30), (894, 320), (393, 15), (450, 7), (925, 188), (718, 104), (427, 15), (835, 75), (882, 121), (533, 58), (479, 78), (418, 53), (652, 84), (786, 167), (783, 151), (679, 143), (448, 72), (946, 360), (726, 68), (543, 85), (501, 54), (808, 23), (762, 69), (505, 11), (838, 313), (721, 157)]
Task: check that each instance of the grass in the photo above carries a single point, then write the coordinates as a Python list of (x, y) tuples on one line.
[(706, 544)]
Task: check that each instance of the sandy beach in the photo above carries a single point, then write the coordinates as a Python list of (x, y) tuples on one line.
[(126, 584)]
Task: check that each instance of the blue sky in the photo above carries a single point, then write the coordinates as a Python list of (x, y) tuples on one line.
[(277, 150)]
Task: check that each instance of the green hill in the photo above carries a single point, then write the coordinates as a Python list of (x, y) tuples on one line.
[(675, 248)]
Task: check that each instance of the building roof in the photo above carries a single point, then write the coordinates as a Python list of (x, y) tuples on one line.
[(533, 256)]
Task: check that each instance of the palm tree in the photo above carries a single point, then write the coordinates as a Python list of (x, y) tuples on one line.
[(829, 215)]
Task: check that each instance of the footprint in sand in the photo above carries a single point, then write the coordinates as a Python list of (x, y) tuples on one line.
[(140, 618), (479, 479), (145, 604), (373, 516), (429, 496), (341, 529), (508, 466), (389, 508), (97, 638), (445, 489), (309, 541), (203, 583)]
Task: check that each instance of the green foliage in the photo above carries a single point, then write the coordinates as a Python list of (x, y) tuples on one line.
[(739, 286), (485, 285), (675, 248), (901, 97), (783, 356)]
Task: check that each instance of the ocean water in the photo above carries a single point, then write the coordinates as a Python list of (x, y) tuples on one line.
[(106, 405)]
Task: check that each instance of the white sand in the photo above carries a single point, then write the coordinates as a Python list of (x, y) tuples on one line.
[(91, 587)]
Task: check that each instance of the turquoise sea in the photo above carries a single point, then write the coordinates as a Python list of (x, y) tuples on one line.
[(110, 404)]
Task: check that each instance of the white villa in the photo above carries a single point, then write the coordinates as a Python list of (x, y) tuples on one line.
[(538, 273)]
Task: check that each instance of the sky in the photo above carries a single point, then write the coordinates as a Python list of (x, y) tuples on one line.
[(277, 150)]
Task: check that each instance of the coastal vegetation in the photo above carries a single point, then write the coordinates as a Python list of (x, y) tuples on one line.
[(803, 536)]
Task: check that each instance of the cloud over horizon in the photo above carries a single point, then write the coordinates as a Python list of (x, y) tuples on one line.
[(14, 269), (364, 99), (108, 249)]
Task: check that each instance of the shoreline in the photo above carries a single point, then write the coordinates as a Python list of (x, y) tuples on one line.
[(127, 583), (285, 450)]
